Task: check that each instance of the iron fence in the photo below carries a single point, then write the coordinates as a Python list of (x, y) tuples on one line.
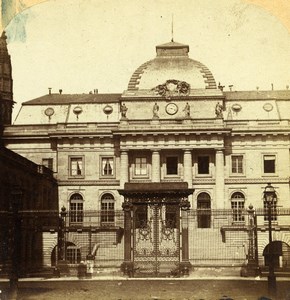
[(215, 238)]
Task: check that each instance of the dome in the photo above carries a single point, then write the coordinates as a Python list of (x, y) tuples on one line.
[(172, 65)]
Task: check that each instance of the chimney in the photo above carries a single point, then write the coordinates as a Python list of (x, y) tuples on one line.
[(287, 87), (272, 86), (257, 88), (49, 91), (96, 91), (231, 87), (60, 91)]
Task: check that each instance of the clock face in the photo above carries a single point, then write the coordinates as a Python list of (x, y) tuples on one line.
[(171, 108)]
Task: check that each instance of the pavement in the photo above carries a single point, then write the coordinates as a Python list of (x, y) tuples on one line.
[(118, 287)]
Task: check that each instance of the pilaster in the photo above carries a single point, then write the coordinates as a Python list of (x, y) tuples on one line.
[(219, 179), (124, 166), (155, 166), (187, 167)]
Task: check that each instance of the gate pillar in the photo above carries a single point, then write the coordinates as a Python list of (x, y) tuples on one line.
[(184, 265), (128, 265)]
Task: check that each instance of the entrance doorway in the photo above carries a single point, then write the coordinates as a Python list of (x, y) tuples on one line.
[(280, 252), (73, 254)]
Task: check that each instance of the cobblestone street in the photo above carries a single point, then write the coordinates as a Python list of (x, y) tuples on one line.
[(148, 289)]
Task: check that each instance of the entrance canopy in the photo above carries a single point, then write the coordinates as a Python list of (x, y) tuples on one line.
[(156, 192)]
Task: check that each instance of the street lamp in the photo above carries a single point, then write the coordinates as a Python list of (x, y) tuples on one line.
[(269, 198), (15, 203), (61, 235)]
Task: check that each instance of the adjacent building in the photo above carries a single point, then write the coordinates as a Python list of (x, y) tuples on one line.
[(28, 193)]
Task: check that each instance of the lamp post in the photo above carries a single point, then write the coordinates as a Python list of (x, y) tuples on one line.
[(269, 198), (252, 266), (62, 264), (16, 198), (61, 233)]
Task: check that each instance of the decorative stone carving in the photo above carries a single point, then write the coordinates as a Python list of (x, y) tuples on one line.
[(49, 112), (155, 111), (108, 109), (187, 110), (268, 107), (172, 87), (184, 204), (236, 107), (127, 205), (77, 111), (123, 110), (219, 111)]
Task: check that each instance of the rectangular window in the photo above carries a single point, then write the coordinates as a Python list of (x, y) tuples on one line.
[(140, 166), (203, 164), (47, 162), (237, 164), (76, 212), (269, 163), (107, 166), (76, 166), (107, 212), (172, 165)]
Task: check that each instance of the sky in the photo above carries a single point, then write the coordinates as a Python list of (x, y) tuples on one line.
[(82, 45)]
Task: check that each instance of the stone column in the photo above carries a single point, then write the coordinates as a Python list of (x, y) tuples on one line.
[(128, 265), (155, 168), (124, 166), (184, 265), (219, 179), (187, 167)]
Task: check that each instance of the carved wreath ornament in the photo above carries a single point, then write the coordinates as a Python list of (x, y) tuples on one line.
[(172, 87)]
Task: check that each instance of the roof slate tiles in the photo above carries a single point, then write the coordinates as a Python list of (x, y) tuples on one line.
[(74, 98)]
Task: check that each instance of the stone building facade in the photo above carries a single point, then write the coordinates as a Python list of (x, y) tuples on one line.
[(181, 157)]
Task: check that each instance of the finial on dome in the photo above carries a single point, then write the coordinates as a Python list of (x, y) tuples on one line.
[(172, 39)]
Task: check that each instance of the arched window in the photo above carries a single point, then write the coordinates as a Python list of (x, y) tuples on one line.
[(238, 206), (73, 253), (203, 210), (107, 209), (76, 208)]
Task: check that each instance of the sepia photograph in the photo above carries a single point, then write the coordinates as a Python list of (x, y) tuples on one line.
[(145, 150)]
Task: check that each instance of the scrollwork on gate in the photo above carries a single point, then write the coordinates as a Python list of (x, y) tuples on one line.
[(167, 232), (144, 233)]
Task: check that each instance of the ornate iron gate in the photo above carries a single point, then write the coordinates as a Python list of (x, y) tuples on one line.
[(156, 239)]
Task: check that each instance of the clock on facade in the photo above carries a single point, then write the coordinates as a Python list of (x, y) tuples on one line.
[(171, 108)]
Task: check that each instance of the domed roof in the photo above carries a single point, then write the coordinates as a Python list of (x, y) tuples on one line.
[(172, 64)]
